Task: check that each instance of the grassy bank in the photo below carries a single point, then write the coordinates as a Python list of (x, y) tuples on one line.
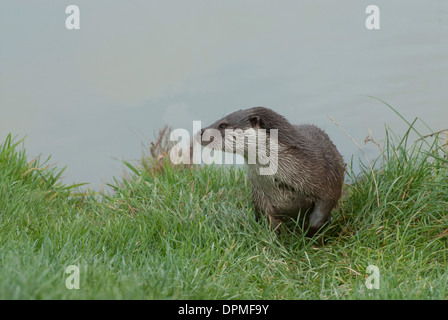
[(190, 233)]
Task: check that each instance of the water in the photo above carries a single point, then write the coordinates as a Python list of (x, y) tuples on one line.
[(93, 96)]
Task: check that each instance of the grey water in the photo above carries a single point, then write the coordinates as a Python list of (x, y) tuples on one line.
[(94, 96)]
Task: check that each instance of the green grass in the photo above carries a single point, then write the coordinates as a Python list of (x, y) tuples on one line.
[(190, 233)]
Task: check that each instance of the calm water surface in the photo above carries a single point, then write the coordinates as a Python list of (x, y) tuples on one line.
[(93, 96)]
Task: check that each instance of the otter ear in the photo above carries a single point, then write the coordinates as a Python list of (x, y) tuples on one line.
[(254, 121)]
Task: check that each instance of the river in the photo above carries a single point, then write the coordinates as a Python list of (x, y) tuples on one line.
[(94, 96)]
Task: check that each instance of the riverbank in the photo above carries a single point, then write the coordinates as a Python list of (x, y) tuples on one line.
[(171, 232)]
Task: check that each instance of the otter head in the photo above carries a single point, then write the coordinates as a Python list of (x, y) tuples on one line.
[(236, 132)]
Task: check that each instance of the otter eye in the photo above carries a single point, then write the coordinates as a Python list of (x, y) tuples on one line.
[(222, 126)]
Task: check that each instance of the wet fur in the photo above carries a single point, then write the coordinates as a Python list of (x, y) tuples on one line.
[(310, 170)]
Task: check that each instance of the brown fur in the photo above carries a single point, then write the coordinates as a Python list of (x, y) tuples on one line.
[(310, 171)]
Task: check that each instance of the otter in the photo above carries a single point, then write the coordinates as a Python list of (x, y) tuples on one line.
[(309, 172)]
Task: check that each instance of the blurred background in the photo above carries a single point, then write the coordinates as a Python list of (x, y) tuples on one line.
[(95, 96)]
